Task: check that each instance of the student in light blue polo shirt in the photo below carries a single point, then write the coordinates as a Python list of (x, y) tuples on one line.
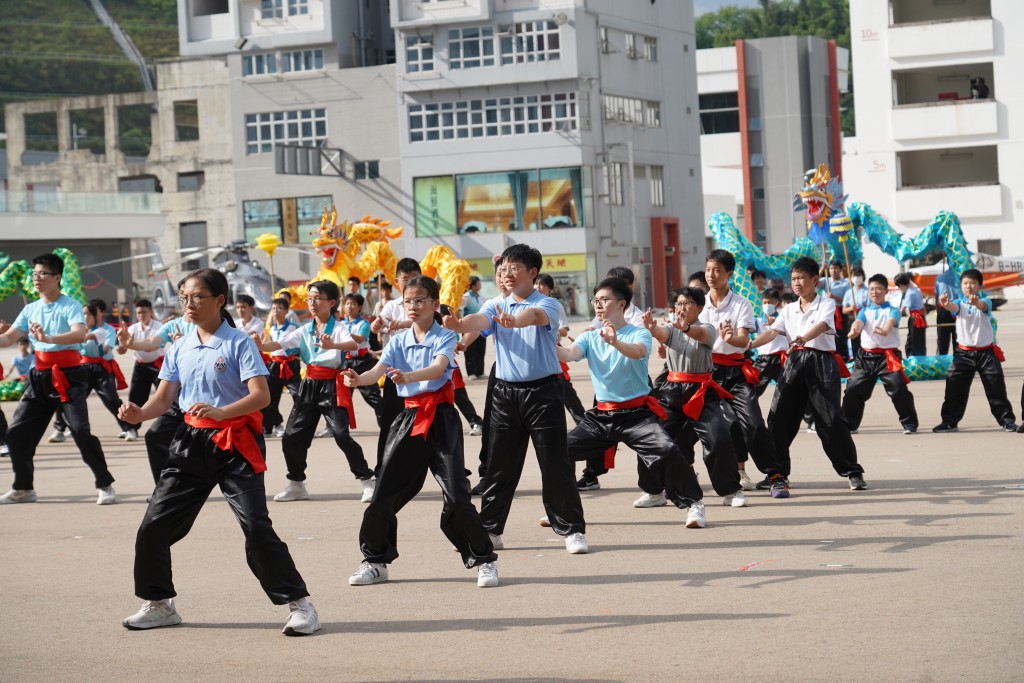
[(528, 401), (626, 412), (56, 327), (223, 387), (284, 366), (426, 435)]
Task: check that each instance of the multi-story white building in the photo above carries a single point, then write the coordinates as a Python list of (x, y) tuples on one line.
[(769, 110), (570, 125), (926, 141)]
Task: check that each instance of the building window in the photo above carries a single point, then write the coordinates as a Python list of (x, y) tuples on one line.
[(530, 41), (271, 9), (616, 183), (259, 64), (631, 50), (186, 121), (419, 53), (657, 186), (260, 216), (650, 49), (299, 127), (191, 182), (469, 48), (298, 7), (606, 43), (533, 199), (719, 113), (632, 110), (992, 247), (492, 117), (302, 60), (367, 170)]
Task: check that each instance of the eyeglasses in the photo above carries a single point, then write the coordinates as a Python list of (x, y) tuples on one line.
[(415, 303), (684, 304), (601, 303), (314, 300), (194, 300), (40, 274), (514, 269)]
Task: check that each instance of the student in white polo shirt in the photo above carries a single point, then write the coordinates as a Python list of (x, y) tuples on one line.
[(811, 376), (975, 352), (878, 358), (146, 373)]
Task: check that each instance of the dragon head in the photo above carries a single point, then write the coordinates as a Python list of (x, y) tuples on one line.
[(330, 238), (821, 197)]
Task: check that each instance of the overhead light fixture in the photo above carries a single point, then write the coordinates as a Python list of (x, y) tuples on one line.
[(560, 19)]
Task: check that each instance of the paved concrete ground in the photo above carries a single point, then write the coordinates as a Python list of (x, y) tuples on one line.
[(917, 578)]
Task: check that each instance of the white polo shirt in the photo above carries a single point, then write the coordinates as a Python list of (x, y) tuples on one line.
[(139, 332), (795, 323), (876, 316), (734, 308), (973, 325), (777, 345)]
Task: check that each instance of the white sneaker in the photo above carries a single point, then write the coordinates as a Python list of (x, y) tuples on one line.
[(5, 450), (279, 431), (18, 496), (576, 544), (737, 500), (57, 437), (369, 573), (122, 434), (487, 575), (106, 496), (496, 541), (745, 482), (323, 433), (153, 614), (296, 490), (544, 521), (368, 486), (651, 500), (303, 620), (131, 435), (695, 518), (476, 430)]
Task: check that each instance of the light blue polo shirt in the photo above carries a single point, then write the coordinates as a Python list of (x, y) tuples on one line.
[(838, 287), (310, 351), (214, 372), (278, 332), (859, 295), (524, 354), (172, 327), (948, 283), (404, 353), (912, 300), (361, 327), (94, 349), (616, 377), (56, 318)]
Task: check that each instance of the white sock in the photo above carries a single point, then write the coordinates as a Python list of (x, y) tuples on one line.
[(302, 603)]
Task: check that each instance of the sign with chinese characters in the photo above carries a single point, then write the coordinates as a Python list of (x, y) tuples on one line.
[(434, 201), (564, 263)]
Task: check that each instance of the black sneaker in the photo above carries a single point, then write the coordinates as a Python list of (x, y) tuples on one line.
[(585, 484), (764, 485), (944, 427), (478, 490), (1020, 428), (779, 487), (1010, 427), (910, 429), (857, 482)]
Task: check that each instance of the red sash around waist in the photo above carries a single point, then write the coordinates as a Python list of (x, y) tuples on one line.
[(54, 361), (917, 318), (732, 360), (284, 370), (360, 353), (646, 400), (843, 370), (457, 381), (425, 405), (343, 393), (1000, 356), (893, 363), (565, 371), (158, 363), (782, 356), (695, 405), (111, 367), (236, 434)]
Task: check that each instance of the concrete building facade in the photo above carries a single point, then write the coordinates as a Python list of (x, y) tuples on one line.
[(570, 125), (928, 139), (769, 111)]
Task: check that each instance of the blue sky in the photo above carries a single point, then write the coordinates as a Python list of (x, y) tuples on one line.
[(702, 6)]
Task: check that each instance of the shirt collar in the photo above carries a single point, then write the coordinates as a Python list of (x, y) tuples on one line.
[(534, 296), (428, 339), (215, 340)]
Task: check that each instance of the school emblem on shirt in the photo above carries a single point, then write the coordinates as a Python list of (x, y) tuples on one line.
[(220, 365)]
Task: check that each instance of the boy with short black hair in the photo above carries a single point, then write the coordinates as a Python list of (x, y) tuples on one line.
[(912, 305), (527, 401), (975, 352), (245, 307), (772, 357), (146, 372), (878, 359), (811, 376)]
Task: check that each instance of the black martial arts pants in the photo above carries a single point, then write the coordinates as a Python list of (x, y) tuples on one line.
[(867, 369), (475, 353), (485, 441), (390, 408), (711, 429), (769, 365), (272, 416), (145, 378), (195, 465), (958, 386), (945, 330), (318, 397), (748, 431), (917, 343), (159, 436), (524, 411), (641, 430), (105, 386), (371, 393), (810, 379), (402, 473)]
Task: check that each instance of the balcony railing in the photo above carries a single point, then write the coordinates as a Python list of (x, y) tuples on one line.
[(945, 119), (942, 38), (79, 202)]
